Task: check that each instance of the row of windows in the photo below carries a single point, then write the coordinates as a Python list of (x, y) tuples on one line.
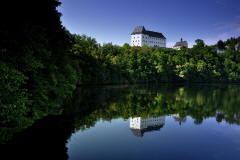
[(148, 37), (136, 37), (145, 121), (155, 42), (136, 41), (149, 42), (154, 38), (136, 44)]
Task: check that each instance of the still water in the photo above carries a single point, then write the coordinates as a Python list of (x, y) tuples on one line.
[(139, 122)]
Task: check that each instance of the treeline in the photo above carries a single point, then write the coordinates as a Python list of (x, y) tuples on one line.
[(112, 64)]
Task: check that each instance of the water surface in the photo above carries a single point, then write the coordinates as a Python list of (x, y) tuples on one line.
[(139, 122)]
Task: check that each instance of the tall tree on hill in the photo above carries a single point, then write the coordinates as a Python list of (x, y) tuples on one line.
[(220, 45)]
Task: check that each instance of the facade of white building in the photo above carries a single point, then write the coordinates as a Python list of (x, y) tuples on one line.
[(237, 46), (140, 37), (139, 125)]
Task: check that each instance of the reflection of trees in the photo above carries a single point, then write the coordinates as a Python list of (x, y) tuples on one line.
[(219, 117), (91, 104), (46, 139), (199, 102), (23, 120)]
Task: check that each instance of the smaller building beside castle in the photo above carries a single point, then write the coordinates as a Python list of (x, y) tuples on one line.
[(178, 45)]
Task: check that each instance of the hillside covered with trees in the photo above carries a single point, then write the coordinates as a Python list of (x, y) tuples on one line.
[(112, 64)]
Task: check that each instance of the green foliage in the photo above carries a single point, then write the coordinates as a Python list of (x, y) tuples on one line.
[(14, 100), (111, 64), (199, 43), (199, 102), (220, 45)]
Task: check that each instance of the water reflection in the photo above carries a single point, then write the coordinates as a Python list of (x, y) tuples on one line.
[(98, 118), (179, 119), (139, 125)]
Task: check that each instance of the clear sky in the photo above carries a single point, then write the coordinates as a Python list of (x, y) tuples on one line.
[(114, 20)]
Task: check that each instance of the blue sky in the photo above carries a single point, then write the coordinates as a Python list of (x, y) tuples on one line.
[(114, 20)]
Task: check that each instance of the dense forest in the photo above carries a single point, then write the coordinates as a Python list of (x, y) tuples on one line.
[(42, 63), (112, 64)]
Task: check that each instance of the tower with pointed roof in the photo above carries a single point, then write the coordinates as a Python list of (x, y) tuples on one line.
[(180, 44)]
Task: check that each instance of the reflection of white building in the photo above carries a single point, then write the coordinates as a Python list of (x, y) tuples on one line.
[(180, 119), (140, 125)]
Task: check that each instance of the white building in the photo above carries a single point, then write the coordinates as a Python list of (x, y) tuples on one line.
[(178, 45), (220, 50), (140, 125), (140, 37), (237, 46)]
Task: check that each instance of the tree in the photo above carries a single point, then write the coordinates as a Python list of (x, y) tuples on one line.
[(220, 45), (199, 43)]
